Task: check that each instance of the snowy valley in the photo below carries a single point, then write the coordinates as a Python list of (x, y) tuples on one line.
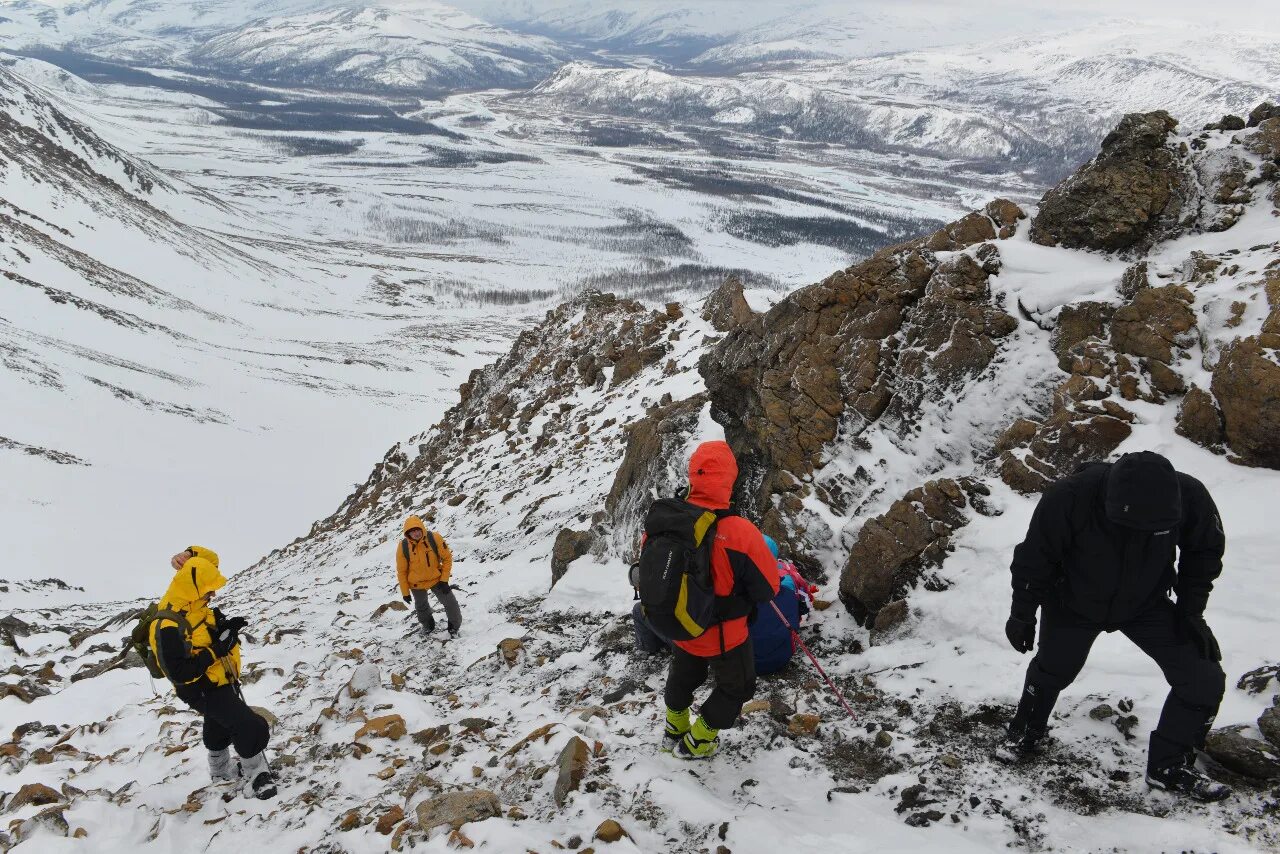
[(555, 269)]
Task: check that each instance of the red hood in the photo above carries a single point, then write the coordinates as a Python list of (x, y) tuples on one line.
[(712, 472)]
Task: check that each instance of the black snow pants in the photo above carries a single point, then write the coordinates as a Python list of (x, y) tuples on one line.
[(735, 675), (1196, 684), (229, 720)]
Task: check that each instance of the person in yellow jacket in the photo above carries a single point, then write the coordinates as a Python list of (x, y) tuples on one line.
[(198, 648), (423, 564)]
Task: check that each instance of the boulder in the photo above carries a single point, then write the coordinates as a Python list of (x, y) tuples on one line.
[(510, 649), (1269, 724), (385, 726), (1246, 384), (1154, 323), (610, 831), (1262, 112), (454, 809), (34, 794), (1234, 750), (365, 678), (804, 725), (388, 820), (1136, 277), (893, 549), (1227, 122), (569, 546), (1076, 323), (726, 308), (1006, 215), (572, 767), (1265, 141), (1121, 198), (1200, 421)]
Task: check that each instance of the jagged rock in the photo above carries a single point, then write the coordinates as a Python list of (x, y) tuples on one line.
[(1120, 199), (384, 726), (569, 546), (1076, 323), (1265, 141), (397, 605), (1246, 384), (572, 766), (268, 716), (804, 724), (1102, 711), (1154, 323), (964, 232), (1262, 112), (1006, 215), (26, 690), (652, 466), (15, 626), (365, 678), (454, 809), (726, 308), (476, 724), (430, 735), (126, 659), (891, 616), (1269, 724), (1136, 278), (1199, 419), (893, 549), (51, 820), (1227, 122), (34, 794), (1232, 749), (388, 820), (1254, 682), (610, 831), (510, 649)]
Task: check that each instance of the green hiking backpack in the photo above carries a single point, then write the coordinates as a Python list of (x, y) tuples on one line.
[(140, 637)]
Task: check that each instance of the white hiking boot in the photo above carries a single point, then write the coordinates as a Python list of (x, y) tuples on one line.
[(259, 782), (221, 768)]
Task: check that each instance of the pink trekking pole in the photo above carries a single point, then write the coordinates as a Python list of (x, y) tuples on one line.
[(795, 634)]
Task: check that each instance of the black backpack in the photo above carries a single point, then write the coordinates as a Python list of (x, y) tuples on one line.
[(673, 577)]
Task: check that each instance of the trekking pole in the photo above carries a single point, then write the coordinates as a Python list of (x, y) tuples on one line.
[(795, 634)]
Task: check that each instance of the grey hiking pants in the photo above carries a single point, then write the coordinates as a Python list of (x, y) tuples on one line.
[(443, 592)]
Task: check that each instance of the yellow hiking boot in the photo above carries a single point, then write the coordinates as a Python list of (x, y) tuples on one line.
[(677, 726), (700, 742)]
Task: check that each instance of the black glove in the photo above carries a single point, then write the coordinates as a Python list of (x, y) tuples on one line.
[(235, 624), (1020, 628), (224, 640), (444, 585), (406, 599), (1190, 627)]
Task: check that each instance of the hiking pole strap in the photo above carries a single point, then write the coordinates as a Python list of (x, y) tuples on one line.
[(823, 673)]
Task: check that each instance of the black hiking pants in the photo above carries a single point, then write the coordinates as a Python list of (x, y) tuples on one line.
[(1196, 684), (229, 720), (735, 677)]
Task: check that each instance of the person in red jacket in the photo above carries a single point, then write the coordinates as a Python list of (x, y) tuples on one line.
[(741, 566)]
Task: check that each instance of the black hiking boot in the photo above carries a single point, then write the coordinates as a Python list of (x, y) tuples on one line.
[(1184, 778), (1020, 745), (428, 628)]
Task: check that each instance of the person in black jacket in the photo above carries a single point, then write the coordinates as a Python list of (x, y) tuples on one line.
[(1099, 556)]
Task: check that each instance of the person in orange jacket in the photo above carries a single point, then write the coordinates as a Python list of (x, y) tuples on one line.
[(742, 569), (423, 565)]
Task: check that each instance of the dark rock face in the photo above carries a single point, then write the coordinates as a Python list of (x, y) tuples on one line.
[(1234, 750), (1200, 420), (652, 467), (1246, 383), (893, 550), (1076, 323), (1269, 724), (1265, 141), (726, 308), (1154, 323), (1122, 198), (1262, 112), (870, 342), (569, 546)]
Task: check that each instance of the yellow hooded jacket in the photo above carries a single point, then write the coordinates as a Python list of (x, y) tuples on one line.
[(198, 577), (422, 570)]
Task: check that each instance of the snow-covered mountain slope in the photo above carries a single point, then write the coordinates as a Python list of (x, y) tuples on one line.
[(155, 336), (545, 722), (1037, 103), (415, 47)]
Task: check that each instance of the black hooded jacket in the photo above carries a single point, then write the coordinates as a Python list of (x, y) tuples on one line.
[(1106, 571)]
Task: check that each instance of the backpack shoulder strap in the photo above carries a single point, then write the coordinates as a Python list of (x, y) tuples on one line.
[(431, 540), (404, 550)]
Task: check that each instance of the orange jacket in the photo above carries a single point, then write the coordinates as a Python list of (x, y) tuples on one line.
[(424, 568), (739, 557)]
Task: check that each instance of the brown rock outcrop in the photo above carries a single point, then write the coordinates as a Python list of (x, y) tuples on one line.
[(1246, 384), (1121, 198), (726, 308), (892, 550), (569, 546), (1154, 323), (1200, 421)]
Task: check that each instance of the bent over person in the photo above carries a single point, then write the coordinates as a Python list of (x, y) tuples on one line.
[(1100, 556), (198, 649), (742, 575), (423, 566)]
